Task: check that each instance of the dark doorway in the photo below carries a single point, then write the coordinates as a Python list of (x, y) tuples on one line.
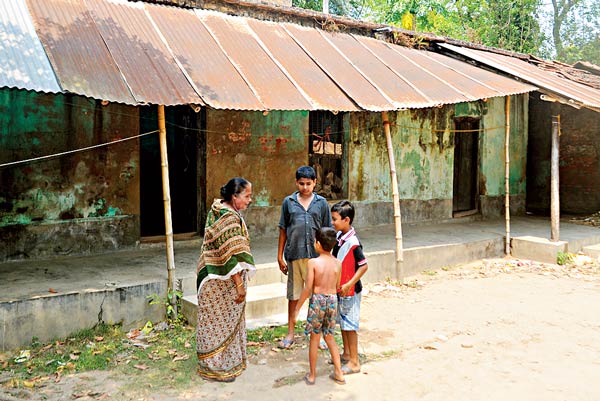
[(186, 171), (466, 146)]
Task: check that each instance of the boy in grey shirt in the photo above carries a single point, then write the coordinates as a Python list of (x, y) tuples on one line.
[(302, 214)]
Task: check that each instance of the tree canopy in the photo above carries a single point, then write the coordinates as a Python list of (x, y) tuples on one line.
[(517, 25)]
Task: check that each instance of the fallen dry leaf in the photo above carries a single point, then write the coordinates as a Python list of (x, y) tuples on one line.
[(46, 348), (252, 343), (141, 366), (181, 358), (430, 347), (99, 338), (52, 290), (187, 345), (74, 357)]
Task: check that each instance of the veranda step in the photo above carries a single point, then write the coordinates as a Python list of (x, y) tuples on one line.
[(593, 251), (262, 302)]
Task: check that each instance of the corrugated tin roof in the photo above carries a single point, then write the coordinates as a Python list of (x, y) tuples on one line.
[(139, 53), (317, 86), (217, 80), (578, 94), (81, 60), (145, 62), (23, 63), (267, 80)]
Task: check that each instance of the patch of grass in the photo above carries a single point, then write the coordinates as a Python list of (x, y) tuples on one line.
[(446, 268), (383, 355), (269, 334), (413, 284), (164, 358), (85, 350), (564, 258), (429, 272)]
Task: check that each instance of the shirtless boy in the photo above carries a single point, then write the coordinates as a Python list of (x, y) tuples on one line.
[(322, 281)]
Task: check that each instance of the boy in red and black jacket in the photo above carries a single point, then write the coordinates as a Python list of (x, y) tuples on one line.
[(354, 265)]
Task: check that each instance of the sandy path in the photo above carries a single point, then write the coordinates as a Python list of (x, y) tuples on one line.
[(473, 333)]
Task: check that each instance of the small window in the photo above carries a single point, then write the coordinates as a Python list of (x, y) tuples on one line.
[(325, 151)]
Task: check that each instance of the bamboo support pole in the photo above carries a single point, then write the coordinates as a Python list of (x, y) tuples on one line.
[(554, 181), (507, 175), (395, 196), (164, 162)]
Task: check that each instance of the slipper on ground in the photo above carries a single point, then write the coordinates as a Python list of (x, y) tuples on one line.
[(308, 381), (349, 371), (285, 344), (336, 380)]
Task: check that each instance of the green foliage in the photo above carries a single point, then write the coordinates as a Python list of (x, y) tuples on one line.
[(173, 297), (506, 24), (564, 258)]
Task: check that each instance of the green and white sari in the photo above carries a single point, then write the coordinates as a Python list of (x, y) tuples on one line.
[(221, 329)]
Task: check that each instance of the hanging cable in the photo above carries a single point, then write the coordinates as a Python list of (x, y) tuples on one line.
[(75, 150)]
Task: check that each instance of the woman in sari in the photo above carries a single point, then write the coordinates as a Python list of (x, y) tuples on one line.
[(224, 268)]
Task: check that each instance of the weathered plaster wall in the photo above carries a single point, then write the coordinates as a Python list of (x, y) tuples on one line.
[(492, 165), (90, 188), (423, 152), (266, 150)]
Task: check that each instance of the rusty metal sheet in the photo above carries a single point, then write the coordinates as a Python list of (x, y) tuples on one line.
[(578, 93), (481, 81), (213, 75), (148, 67), (79, 57), (271, 85), (23, 62), (322, 92), (340, 68), (371, 58)]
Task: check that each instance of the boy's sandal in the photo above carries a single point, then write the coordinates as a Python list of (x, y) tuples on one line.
[(336, 380), (285, 344), (342, 360), (349, 371), (307, 380)]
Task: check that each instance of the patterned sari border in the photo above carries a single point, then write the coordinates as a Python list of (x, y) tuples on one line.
[(228, 340)]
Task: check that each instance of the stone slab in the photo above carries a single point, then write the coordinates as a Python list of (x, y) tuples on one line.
[(538, 249), (593, 251)]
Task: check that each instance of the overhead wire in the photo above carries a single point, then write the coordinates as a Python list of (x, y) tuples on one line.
[(220, 132)]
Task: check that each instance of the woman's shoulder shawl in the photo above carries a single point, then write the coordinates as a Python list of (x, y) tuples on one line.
[(226, 243)]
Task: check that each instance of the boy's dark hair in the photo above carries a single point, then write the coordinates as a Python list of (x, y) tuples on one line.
[(344, 209), (306, 172), (326, 237)]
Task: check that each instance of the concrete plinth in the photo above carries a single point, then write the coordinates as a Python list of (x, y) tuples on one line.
[(593, 251), (538, 249)]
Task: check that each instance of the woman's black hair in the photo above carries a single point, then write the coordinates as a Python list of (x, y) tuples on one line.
[(233, 187)]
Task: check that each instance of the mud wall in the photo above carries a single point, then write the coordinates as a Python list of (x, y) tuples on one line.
[(579, 166), (91, 197), (265, 149)]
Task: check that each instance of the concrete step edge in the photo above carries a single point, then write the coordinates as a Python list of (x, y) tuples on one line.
[(255, 294)]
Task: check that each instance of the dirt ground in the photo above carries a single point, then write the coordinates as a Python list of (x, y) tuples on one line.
[(491, 330)]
